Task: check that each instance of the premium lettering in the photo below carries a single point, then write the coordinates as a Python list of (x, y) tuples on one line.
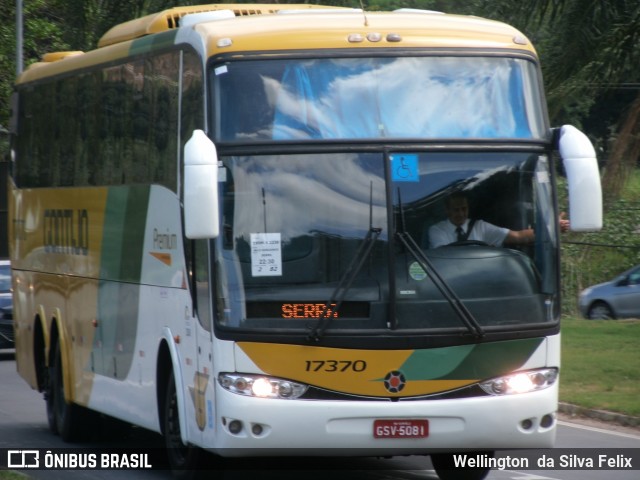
[(164, 241)]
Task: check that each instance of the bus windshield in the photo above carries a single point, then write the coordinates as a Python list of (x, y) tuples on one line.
[(372, 98), (301, 233)]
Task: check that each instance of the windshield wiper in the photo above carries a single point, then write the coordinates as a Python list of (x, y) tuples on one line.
[(330, 309), (432, 272), (450, 296)]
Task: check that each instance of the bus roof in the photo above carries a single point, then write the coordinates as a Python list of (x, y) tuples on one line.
[(270, 27), (170, 19), (357, 29)]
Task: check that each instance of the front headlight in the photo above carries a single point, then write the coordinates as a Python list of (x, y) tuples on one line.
[(261, 386), (521, 382), (585, 292)]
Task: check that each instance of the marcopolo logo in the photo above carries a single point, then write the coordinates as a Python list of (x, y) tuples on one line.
[(394, 381), (23, 459)]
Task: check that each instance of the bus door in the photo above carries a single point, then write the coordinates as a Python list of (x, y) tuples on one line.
[(204, 377)]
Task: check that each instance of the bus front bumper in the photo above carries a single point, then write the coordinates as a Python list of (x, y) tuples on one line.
[(254, 426)]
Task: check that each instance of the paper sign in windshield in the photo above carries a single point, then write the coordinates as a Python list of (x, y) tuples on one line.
[(266, 255)]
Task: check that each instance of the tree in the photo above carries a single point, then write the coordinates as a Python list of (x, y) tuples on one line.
[(586, 47), (42, 32), (589, 58), (59, 25)]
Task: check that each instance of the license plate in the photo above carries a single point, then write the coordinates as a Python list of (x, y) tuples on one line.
[(401, 428)]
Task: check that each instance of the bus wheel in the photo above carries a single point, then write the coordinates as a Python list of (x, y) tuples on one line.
[(443, 464), (183, 459), (71, 421), (114, 429), (48, 398)]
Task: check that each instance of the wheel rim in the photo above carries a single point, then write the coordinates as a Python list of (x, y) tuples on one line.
[(600, 312)]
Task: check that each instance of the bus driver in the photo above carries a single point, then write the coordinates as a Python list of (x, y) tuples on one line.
[(458, 227)]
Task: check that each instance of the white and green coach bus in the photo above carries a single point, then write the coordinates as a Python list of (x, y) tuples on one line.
[(219, 231)]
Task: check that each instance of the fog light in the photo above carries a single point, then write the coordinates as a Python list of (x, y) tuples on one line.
[(526, 424), (547, 421), (235, 426), (256, 429)]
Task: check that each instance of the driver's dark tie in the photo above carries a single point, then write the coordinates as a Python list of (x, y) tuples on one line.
[(460, 234)]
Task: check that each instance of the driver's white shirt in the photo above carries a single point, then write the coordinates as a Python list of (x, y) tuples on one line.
[(444, 233)]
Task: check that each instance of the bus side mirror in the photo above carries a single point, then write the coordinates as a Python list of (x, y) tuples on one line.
[(200, 187), (583, 178)]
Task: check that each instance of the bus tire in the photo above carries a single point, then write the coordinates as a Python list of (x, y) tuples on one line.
[(183, 459), (48, 398), (114, 428), (71, 421), (444, 466)]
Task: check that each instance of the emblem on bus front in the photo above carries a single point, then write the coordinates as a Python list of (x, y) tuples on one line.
[(394, 381)]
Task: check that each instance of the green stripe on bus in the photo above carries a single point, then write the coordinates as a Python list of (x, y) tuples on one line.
[(123, 236), (120, 274), (462, 362), (152, 43), (135, 223)]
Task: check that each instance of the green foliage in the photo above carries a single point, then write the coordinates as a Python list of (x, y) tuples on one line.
[(12, 475), (590, 65), (587, 49), (59, 25), (591, 258), (42, 33), (396, 4)]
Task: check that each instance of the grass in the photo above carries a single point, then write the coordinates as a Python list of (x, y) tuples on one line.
[(600, 360), (601, 365), (11, 475)]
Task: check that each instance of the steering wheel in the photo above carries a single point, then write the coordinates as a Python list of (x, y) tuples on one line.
[(464, 243)]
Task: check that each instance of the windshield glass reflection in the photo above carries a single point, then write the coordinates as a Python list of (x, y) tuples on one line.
[(357, 98), (301, 233)]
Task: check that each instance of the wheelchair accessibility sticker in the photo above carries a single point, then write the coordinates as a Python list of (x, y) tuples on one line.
[(404, 168)]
